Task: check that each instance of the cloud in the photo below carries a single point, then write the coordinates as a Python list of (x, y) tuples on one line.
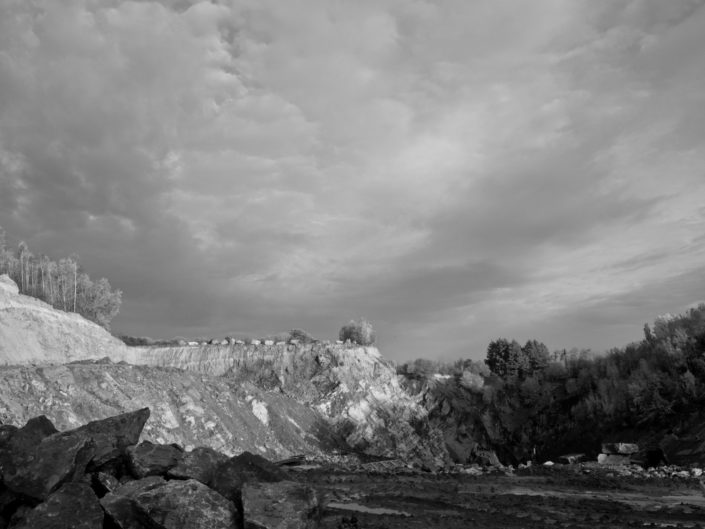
[(454, 171)]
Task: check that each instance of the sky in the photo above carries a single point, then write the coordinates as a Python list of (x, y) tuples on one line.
[(453, 171)]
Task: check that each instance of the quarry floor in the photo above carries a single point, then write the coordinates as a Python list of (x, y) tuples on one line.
[(560, 497)]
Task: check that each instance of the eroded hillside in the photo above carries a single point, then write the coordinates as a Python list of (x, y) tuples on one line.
[(32, 331), (188, 408)]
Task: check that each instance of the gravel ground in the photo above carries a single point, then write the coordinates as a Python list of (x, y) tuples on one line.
[(562, 496)]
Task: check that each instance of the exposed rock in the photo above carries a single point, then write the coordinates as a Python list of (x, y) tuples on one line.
[(181, 504), (39, 471), (113, 435), (187, 408), (148, 459), (232, 474), (282, 505), (613, 459), (620, 448), (120, 507), (104, 483), (32, 331), (199, 464), (73, 506)]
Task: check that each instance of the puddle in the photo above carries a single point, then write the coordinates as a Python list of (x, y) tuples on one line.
[(369, 510)]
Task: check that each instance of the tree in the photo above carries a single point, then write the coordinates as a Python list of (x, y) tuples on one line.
[(359, 332)]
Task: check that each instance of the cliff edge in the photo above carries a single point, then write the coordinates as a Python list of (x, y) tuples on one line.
[(32, 331)]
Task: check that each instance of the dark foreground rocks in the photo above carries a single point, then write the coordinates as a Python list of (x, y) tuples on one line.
[(98, 477)]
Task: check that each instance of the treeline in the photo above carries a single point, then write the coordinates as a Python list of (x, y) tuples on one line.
[(63, 284), (525, 401)]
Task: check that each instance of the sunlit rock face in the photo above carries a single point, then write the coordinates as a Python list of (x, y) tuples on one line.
[(187, 408), (32, 331), (352, 386), (269, 398)]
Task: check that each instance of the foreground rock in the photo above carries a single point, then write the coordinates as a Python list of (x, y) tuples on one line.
[(73, 506), (96, 476), (281, 505)]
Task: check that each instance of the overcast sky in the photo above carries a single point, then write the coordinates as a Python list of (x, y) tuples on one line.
[(452, 170)]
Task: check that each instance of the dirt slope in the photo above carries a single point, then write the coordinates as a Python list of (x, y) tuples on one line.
[(32, 331)]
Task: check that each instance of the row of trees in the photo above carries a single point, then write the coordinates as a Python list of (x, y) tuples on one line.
[(570, 401), (63, 283)]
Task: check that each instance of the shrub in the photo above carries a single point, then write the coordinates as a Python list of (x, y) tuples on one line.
[(359, 332), (301, 335)]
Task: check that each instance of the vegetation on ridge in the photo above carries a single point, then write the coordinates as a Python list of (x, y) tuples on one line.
[(525, 399), (63, 284)]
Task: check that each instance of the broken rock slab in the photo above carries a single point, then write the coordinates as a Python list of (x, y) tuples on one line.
[(230, 476), (72, 506), (56, 459), (180, 504), (620, 448), (149, 459), (613, 459), (280, 505), (199, 464)]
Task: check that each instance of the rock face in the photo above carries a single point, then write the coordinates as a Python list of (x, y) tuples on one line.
[(186, 408), (357, 391), (297, 398), (71, 494), (32, 331)]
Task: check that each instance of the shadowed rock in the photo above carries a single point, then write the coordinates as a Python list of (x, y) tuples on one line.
[(120, 508), (73, 506), (282, 505), (180, 504), (199, 464), (231, 475), (56, 459), (148, 459), (113, 435)]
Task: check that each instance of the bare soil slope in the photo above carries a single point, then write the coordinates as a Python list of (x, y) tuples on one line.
[(32, 331)]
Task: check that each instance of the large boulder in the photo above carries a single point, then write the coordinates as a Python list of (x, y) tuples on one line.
[(36, 459), (120, 507), (179, 504), (199, 464), (281, 505), (72, 506), (41, 470), (230, 476), (149, 459), (112, 436)]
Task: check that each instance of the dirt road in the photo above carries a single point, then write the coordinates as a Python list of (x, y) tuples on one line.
[(565, 497)]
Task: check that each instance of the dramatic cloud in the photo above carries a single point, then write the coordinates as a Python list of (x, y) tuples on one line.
[(454, 171)]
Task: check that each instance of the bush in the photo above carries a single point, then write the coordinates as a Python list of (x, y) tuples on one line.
[(359, 332), (301, 335)]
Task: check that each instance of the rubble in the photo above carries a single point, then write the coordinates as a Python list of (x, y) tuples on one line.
[(96, 476)]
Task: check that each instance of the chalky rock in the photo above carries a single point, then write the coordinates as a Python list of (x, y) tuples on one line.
[(231, 475), (148, 459), (72, 506), (620, 448), (199, 464), (281, 505), (181, 504)]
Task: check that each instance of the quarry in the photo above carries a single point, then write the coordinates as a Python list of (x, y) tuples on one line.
[(278, 434)]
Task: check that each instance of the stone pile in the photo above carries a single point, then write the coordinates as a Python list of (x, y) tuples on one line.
[(617, 453), (99, 477)]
